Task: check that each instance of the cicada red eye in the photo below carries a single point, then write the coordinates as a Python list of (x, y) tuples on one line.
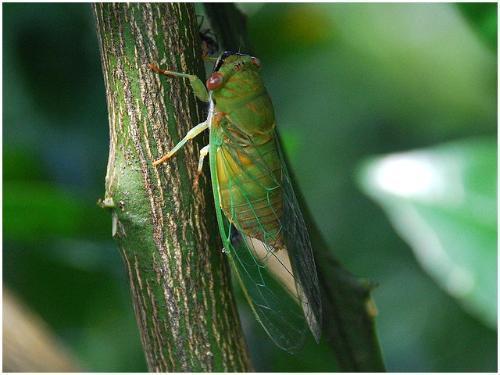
[(215, 81), (256, 62)]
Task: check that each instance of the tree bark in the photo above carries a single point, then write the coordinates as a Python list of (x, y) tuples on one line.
[(165, 230)]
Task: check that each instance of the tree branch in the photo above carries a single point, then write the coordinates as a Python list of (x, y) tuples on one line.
[(230, 25), (166, 233)]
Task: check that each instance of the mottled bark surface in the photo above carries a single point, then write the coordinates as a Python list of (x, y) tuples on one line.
[(166, 231)]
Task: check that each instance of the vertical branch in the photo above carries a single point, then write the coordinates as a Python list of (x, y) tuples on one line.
[(165, 231), (230, 25), (349, 311)]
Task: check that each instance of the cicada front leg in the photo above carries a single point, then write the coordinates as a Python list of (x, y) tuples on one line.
[(199, 88), (190, 135), (201, 93)]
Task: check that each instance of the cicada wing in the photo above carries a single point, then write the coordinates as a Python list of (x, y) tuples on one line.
[(300, 251), (276, 310), (261, 268)]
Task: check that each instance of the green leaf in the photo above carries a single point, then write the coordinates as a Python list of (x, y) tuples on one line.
[(483, 19), (35, 211), (442, 201)]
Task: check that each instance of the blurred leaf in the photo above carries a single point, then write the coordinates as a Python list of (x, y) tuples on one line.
[(249, 8), (298, 29), (86, 301), (18, 164), (442, 201), (291, 142), (34, 211), (483, 18)]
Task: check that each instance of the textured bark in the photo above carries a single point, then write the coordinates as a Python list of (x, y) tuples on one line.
[(348, 309), (166, 231)]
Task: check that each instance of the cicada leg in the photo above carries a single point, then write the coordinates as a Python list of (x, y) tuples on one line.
[(190, 135), (203, 152), (199, 88)]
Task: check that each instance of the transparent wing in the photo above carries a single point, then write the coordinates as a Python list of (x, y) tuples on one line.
[(280, 283), (301, 254), (275, 309)]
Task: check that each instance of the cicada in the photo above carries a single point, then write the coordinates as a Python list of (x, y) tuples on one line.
[(259, 219)]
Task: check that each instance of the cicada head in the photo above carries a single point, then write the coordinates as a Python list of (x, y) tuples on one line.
[(238, 91), (234, 78)]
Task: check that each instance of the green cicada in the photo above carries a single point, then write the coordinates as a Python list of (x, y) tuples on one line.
[(261, 225)]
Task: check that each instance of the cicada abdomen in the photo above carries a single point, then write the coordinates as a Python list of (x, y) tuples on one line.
[(251, 191)]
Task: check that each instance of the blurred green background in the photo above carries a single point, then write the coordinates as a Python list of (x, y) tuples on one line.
[(388, 113)]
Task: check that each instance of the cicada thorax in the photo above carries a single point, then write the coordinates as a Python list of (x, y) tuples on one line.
[(248, 165)]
